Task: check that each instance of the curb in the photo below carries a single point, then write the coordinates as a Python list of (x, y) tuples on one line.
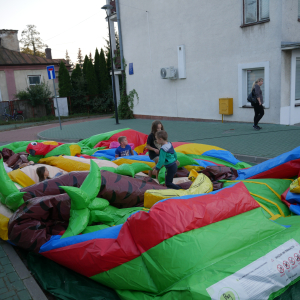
[(33, 288)]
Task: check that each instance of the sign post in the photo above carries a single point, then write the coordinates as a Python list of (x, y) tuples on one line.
[(51, 75)]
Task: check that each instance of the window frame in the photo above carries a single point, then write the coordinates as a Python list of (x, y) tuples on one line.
[(257, 15), (30, 84), (242, 82)]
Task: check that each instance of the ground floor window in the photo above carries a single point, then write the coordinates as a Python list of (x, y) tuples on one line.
[(297, 83), (247, 74), (253, 75), (34, 79)]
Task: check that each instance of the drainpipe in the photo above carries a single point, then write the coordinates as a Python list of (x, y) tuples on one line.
[(120, 34)]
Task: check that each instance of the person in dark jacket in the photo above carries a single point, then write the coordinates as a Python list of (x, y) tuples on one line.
[(258, 106)]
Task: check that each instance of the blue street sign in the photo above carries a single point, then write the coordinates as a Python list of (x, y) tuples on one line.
[(51, 72), (130, 68)]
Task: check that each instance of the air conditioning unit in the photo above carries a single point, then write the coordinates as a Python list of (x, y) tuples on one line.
[(168, 73)]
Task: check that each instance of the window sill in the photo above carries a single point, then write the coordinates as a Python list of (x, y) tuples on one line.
[(297, 104), (256, 23)]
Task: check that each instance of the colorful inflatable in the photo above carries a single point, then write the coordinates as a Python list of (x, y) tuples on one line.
[(231, 232)]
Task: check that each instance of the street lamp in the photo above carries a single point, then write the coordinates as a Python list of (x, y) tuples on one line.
[(106, 7)]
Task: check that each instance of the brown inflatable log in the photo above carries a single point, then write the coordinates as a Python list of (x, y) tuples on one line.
[(33, 224), (215, 173), (121, 191)]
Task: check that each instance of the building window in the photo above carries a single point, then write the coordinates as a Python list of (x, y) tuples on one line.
[(253, 75), (298, 10), (247, 74), (256, 11), (34, 79), (297, 85)]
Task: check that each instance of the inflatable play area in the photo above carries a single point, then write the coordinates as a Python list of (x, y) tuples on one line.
[(104, 226)]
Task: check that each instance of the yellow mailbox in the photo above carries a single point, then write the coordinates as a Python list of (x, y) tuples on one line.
[(225, 106)]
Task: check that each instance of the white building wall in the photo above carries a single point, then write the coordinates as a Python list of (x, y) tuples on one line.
[(215, 46), (22, 83)]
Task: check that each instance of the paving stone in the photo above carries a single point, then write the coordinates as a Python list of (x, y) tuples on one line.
[(24, 295), (18, 285), (2, 274), (4, 261), (2, 284), (8, 295), (2, 254), (13, 277), (8, 269), (2, 291)]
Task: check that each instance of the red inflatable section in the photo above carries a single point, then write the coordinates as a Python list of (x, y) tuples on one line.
[(35, 148), (144, 230), (133, 136), (286, 170), (283, 198)]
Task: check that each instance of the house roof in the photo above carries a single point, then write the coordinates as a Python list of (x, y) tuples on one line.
[(10, 57)]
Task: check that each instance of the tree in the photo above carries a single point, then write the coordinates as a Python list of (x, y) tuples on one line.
[(91, 58), (37, 53), (91, 79), (68, 59), (75, 76), (97, 69), (79, 58), (104, 79), (86, 60), (64, 81), (31, 40)]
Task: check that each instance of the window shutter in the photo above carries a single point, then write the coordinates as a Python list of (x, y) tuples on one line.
[(263, 9), (253, 75), (297, 94), (250, 11)]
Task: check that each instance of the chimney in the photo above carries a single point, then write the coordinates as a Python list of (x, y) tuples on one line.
[(48, 53)]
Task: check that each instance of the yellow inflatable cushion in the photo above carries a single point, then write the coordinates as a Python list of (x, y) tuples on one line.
[(201, 185), (122, 161), (295, 186), (21, 178), (65, 164), (4, 227), (197, 149)]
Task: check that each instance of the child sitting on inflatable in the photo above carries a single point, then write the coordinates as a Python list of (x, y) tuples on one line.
[(152, 145), (167, 158), (124, 149)]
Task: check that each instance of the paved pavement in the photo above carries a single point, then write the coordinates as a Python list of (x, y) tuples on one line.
[(239, 138), (16, 282)]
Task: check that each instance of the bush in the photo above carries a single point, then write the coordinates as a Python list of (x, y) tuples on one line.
[(37, 95)]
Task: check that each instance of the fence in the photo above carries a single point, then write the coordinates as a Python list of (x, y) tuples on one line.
[(24, 105)]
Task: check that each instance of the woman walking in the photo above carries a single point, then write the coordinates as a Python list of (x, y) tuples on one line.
[(258, 106)]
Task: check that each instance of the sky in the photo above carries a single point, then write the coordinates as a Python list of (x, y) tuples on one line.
[(63, 24)]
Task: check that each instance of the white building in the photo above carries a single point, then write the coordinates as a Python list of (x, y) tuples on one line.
[(228, 44)]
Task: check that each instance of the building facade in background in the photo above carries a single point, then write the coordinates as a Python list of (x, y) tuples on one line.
[(228, 44), (19, 70)]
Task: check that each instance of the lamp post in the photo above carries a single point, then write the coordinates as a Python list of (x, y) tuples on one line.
[(106, 7)]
